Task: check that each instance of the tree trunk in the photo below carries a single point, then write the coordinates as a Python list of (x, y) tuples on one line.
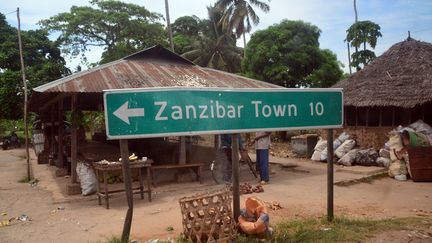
[(244, 45), (355, 11), (169, 25), (349, 57), (355, 20)]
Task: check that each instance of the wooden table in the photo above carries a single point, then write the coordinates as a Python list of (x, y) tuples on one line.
[(102, 189)]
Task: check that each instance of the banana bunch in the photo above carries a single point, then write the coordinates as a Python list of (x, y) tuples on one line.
[(133, 157)]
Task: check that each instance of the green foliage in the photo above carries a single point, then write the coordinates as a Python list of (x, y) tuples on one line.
[(187, 26), (362, 57), (239, 14), (120, 28), (42, 61), (363, 33), (288, 54), (213, 47), (328, 73)]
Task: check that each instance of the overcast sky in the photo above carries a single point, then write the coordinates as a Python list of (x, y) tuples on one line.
[(333, 17)]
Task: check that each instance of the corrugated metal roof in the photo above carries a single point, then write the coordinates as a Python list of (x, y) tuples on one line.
[(153, 67)]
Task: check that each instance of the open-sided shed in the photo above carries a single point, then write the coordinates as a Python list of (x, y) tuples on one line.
[(152, 67)]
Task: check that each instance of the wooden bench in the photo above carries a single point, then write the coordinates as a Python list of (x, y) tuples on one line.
[(196, 167)]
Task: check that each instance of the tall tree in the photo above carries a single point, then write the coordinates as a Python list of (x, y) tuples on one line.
[(361, 34), (187, 30), (214, 47), (239, 14), (43, 64), (288, 54), (120, 28)]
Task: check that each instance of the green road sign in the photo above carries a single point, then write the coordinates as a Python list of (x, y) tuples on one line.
[(160, 112)]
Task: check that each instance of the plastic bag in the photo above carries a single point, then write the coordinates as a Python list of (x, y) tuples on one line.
[(336, 143), (349, 158), (366, 157), (422, 127), (316, 156), (384, 153), (321, 145), (397, 168), (383, 162), (395, 143), (344, 148), (87, 178)]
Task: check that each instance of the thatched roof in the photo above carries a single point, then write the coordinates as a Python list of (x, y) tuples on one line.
[(401, 77)]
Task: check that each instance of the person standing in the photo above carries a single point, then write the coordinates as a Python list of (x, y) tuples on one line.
[(262, 145), (226, 145)]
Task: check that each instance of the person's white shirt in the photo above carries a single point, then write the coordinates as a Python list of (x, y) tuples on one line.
[(264, 142)]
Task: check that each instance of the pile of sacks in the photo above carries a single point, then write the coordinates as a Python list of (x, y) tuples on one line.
[(399, 168), (346, 153)]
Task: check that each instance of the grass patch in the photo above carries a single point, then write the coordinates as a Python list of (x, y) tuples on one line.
[(341, 229), (366, 179), (25, 179)]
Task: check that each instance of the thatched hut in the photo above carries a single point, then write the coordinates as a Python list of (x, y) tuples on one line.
[(395, 89)]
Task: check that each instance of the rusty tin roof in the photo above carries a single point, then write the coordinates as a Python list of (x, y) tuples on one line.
[(152, 67)]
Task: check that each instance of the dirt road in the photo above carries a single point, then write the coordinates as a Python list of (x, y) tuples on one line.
[(302, 193)]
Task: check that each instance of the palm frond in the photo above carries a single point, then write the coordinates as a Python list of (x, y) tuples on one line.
[(261, 5), (251, 13)]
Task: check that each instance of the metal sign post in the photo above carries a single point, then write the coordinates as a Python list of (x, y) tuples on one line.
[(235, 175), (124, 150), (330, 175)]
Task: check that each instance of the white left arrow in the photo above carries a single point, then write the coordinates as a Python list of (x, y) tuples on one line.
[(123, 112)]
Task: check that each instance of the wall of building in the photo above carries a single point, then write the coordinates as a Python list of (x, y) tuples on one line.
[(366, 137)]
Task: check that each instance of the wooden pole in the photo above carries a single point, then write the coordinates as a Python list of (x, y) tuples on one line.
[(182, 153), (74, 147), (26, 135), (169, 25), (216, 141), (235, 176), (60, 134), (52, 142), (124, 150), (330, 175)]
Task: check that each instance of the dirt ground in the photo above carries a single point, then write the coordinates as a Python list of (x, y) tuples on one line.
[(300, 191)]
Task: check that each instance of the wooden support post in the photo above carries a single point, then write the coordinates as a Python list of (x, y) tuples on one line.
[(52, 142), (235, 176), (60, 134), (124, 150), (423, 111), (182, 153), (367, 116), (380, 115), (74, 147), (330, 175), (216, 141), (24, 80)]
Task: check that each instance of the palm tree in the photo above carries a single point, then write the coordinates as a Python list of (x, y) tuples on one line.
[(238, 15), (215, 48)]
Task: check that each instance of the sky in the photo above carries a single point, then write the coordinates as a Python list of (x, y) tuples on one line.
[(333, 17)]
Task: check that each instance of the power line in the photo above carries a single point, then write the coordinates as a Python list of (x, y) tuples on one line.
[(11, 12)]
